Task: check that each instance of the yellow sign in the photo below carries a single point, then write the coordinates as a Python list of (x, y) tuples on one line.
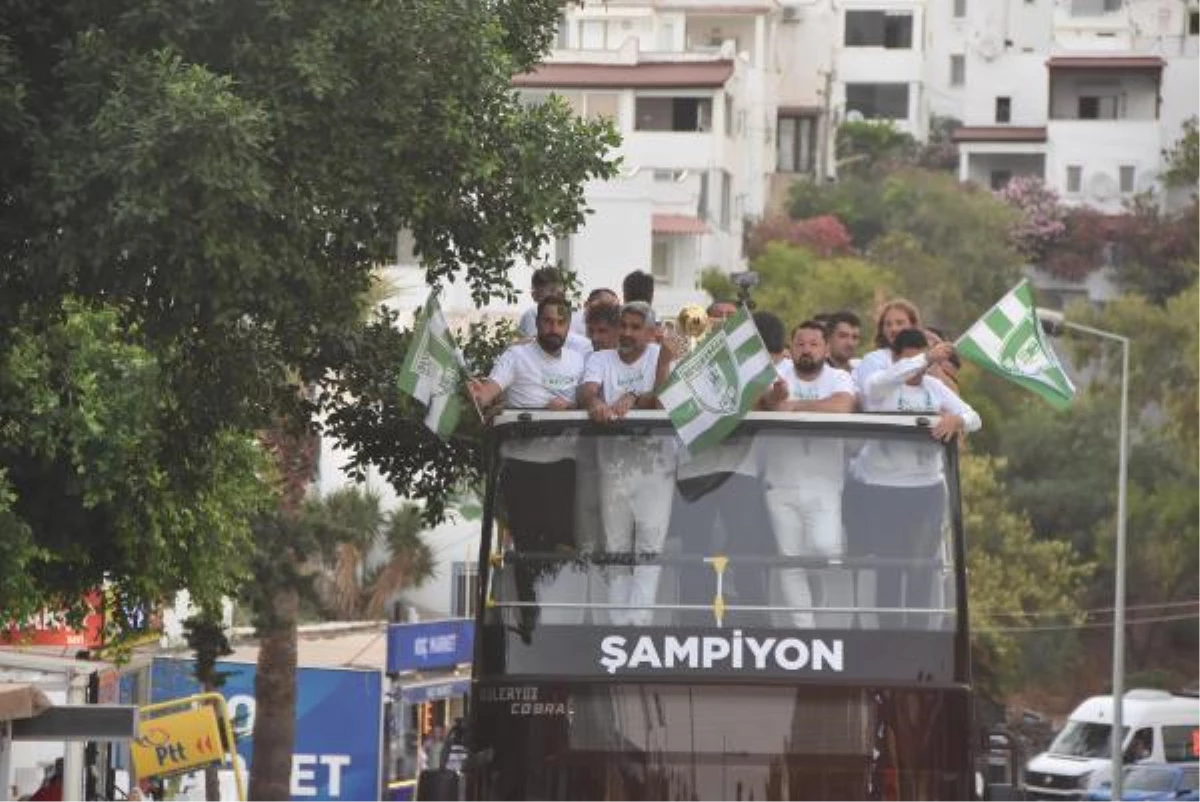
[(177, 742)]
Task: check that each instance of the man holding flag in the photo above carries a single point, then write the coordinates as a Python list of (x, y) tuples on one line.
[(537, 479)]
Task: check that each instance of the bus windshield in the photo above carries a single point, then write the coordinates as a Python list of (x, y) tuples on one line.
[(784, 528)]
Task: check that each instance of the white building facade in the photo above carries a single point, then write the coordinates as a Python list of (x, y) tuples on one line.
[(1084, 94)]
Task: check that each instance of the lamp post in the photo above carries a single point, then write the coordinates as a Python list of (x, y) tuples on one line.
[(1054, 321)]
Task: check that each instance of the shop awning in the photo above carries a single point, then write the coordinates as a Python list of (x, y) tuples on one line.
[(20, 700), (679, 224)]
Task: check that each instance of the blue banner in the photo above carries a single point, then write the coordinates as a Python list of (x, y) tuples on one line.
[(339, 721), (429, 644)]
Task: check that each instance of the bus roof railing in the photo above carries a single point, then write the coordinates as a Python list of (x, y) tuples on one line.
[(748, 608), (627, 558), (892, 420)]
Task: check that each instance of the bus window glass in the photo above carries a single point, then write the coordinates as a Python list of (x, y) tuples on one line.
[(1181, 743), (780, 528)]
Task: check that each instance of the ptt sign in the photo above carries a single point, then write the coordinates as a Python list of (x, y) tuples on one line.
[(177, 742)]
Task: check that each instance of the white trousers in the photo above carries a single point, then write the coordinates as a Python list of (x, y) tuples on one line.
[(807, 521), (635, 510)]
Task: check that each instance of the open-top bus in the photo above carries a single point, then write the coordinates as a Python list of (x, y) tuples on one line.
[(781, 617)]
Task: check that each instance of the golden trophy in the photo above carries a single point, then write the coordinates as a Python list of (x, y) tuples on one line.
[(690, 325)]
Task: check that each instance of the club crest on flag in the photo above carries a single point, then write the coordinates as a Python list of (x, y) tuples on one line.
[(713, 378), (427, 366), (1023, 352)]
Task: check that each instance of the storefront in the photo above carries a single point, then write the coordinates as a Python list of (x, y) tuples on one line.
[(429, 665)]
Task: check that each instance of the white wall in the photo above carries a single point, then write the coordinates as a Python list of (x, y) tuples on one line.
[(1100, 148), (1019, 76)]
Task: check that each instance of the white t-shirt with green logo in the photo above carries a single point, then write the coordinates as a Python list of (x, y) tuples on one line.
[(792, 459), (530, 379), (616, 377)]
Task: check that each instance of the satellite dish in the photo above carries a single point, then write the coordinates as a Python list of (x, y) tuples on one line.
[(1103, 186), (987, 45), (854, 116)]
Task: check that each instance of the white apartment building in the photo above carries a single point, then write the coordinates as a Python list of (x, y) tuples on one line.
[(1085, 94)]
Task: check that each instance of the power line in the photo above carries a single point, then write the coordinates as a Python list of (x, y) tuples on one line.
[(1149, 620), (1087, 611)]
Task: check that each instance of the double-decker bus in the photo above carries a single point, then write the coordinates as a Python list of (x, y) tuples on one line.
[(783, 616)]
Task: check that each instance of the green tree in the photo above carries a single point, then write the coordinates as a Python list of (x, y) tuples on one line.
[(869, 146), (947, 244), (1183, 157), (1014, 576), (95, 491), (227, 176), (796, 284)]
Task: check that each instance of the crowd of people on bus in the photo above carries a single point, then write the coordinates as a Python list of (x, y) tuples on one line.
[(614, 354)]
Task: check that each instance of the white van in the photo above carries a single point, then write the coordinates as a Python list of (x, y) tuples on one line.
[(1159, 727)]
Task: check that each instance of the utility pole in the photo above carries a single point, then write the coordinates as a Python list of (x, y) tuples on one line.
[(827, 131)]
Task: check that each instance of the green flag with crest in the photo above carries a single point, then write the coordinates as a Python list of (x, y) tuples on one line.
[(1008, 341)]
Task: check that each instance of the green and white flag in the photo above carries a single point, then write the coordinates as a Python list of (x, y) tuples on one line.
[(434, 370), (715, 385), (1008, 342)]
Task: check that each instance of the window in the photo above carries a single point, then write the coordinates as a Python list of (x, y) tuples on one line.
[(562, 39), (674, 114), (878, 101), (1194, 23), (960, 8), (728, 115), (593, 34), (601, 106), (1074, 178), (794, 141), (660, 261), (1127, 174), (726, 199), (958, 70), (1094, 8), (890, 29), (1098, 107), (466, 589), (1004, 109), (1181, 743), (999, 179), (702, 201)]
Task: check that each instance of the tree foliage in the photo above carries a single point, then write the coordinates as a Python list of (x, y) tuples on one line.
[(224, 178), (1183, 157), (97, 488), (796, 284), (1015, 577)]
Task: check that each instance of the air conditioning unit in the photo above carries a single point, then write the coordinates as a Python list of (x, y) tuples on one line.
[(792, 14)]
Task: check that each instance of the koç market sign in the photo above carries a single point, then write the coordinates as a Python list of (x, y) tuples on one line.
[(429, 644)]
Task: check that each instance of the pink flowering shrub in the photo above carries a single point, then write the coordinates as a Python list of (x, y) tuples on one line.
[(824, 235), (1043, 220)]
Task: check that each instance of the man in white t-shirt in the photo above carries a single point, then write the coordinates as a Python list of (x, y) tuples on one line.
[(803, 477), (636, 474), (547, 281), (537, 478), (897, 486)]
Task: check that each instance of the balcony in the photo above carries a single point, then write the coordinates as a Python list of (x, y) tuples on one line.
[(1105, 88)]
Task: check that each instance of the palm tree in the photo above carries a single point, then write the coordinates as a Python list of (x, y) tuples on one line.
[(373, 554)]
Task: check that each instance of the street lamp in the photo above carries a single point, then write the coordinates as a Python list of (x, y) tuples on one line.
[(1054, 322)]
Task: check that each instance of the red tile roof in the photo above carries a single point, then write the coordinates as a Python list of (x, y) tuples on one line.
[(647, 75), (999, 133), (677, 224), (1105, 63)]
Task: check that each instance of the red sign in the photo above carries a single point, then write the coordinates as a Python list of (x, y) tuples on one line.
[(49, 628)]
